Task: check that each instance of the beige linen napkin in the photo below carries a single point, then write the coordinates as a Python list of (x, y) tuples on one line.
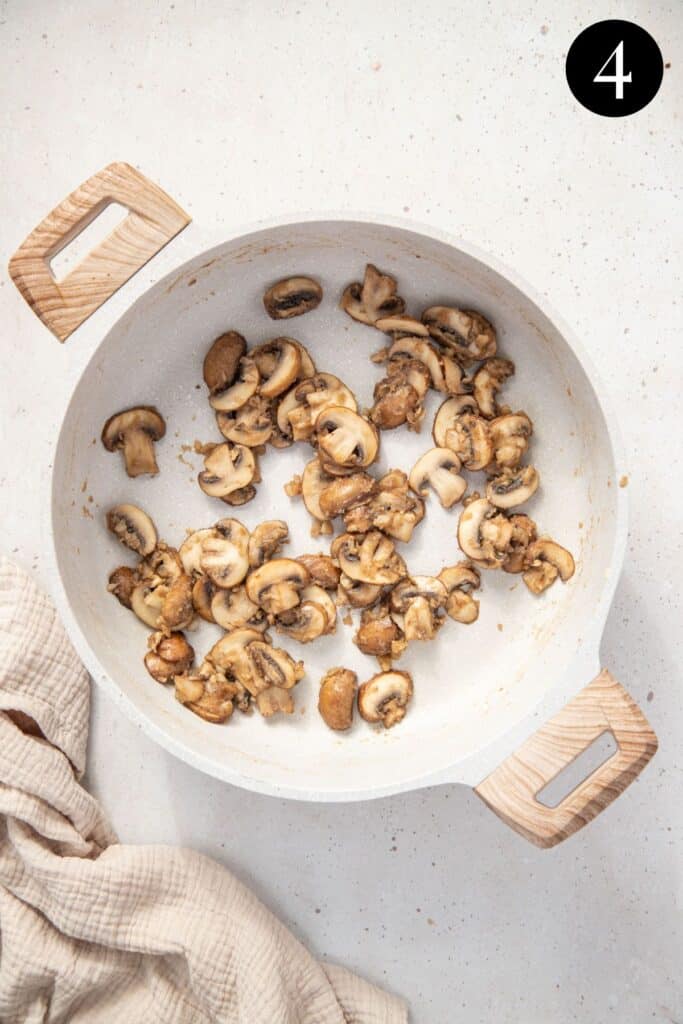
[(91, 930)]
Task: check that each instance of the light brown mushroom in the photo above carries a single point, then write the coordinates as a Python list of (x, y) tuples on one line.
[(250, 425), (203, 590), (177, 610), (438, 469), (385, 697), (228, 470), (486, 383), (369, 558), (378, 634), (356, 593), (523, 534), (447, 379), (233, 609), (224, 553), (244, 385), (512, 487), (484, 534), (468, 335), (168, 655), (324, 572), (121, 583), (345, 492), (230, 656), (275, 700), (544, 561), (271, 666), (416, 603), (163, 565), (134, 431), (279, 363), (396, 402), (208, 693), (510, 435), (221, 362), (372, 300), (313, 481), (147, 602), (307, 368), (336, 698), (266, 540), (190, 551), (292, 296), (460, 580), (314, 616), (276, 586), (400, 325), (133, 528), (345, 440), (301, 406), (458, 426), (394, 509)]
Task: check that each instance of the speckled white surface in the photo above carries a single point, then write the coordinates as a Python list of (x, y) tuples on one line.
[(459, 116)]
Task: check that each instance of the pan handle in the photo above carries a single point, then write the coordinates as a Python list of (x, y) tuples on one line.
[(512, 788), (153, 220)]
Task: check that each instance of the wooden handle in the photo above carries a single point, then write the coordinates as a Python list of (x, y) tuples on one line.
[(511, 789), (153, 220)]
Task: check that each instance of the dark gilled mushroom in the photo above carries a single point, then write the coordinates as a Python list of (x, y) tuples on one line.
[(438, 469), (458, 427), (250, 425), (512, 487), (544, 561), (484, 534), (460, 580), (510, 435), (374, 299), (222, 361), (394, 509), (487, 381), (228, 471), (292, 296), (396, 402), (276, 586), (266, 540), (203, 591), (416, 605), (369, 558), (313, 617), (279, 363), (385, 697), (345, 440), (301, 406), (445, 374), (133, 528), (224, 553), (169, 655), (336, 698), (233, 609), (135, 431), (468, 335)]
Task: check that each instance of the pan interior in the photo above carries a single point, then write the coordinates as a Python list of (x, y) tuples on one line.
[(472, 683)]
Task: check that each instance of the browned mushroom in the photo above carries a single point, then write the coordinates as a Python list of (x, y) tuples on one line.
[(416, 604), (467, 334), (169, 655), (346, 492), (458, 427), (243, 386), (484, 534), (460, 580), (544, 561), (322, 569), (222, 361), (486, 383), (276, 586), (336, 698), (266, 540), (356, 593), (369, 558), (512, 487), (302, 405), (133, 528), (510, 435), (374, 299), (394, 509), (279, 363), (438, 468), (345, 440), (396, 402), (292, 296), (378, 634), (122, 582), (228, 470), (224, 553), (250, 425), (385, 697), (523, 534), (135, 431)]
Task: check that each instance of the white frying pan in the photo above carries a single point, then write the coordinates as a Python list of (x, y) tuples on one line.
[(527, 672)]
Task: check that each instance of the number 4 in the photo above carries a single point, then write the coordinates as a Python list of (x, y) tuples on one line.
[(619, 78)]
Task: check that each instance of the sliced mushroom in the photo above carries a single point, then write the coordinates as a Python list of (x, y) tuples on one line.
[(544, 561), (486, 383), (314, 617), (135, 431), (438, 468), (400, 325), (322, 569), (230, 655), (221, 362), (203, 590), (227, 471), (484, 533), (385, 697), (419, 348), (301, 407), (512, 487), (224, 553), (357, 594), (240, 391), (250, 425), (279, 363), (464, 432), (374, 299), (460, 580), (345, 440), (275, 700), (447, 415), (168, 656), (177, 611), (276, 586), (510, 436), (232, 609), (190, 551), (523, 534), (307, 368), (378, 634), (336, 698), (467, 334), (313, 481), (208, 693), (147, 602), (271, 666), (133, 528), (369, 558), (394, 509), (418, 600), (396, 402), (346, 492), (412, 370), (122, 582), (266, 540), (292, 296), (163, 565)]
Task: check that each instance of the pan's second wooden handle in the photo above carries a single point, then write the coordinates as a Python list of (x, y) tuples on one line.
[(511, 789), (153, 220)]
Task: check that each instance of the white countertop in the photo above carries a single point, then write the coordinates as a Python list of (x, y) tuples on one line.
[(457, 115)]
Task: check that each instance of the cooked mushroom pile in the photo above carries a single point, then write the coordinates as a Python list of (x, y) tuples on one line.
[(239, 579)]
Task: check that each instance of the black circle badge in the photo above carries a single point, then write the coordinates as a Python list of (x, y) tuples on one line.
[(614, 68)]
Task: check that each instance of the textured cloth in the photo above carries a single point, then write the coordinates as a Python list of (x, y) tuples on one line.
[(91, 930)]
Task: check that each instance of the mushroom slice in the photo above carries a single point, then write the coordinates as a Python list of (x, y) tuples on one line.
[(240, 391), (279, 363), (222, 361), (307, 368), (378, 634), (161, 565), (512, 487), (544, 561), (275, 701), (133, 528), (394, 509), (345, 439), (271, 666), (292, 296), (324, 572), (147, 602), (372, 300), (418, 600), (250, 425), (315, 616), (190, 551), (401, 325), (135, 431), (229, 468), (276, 586), (311, 397), (486, 383), (229, 655), (412, 370), (313, 481), (448, 414), (510, 436), (438, 468), (168, 656), (266, 540), (419, 348), (484, 533), (357, 594), (523, 534), (396, 402), (232, 609), (384, 698), (345, 492), (467, 334), (370, 558), (224, 556), (121, 583), (459, 580), (177, 611), (208, 693), (203, 590), (336, 698), (465, 433)]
